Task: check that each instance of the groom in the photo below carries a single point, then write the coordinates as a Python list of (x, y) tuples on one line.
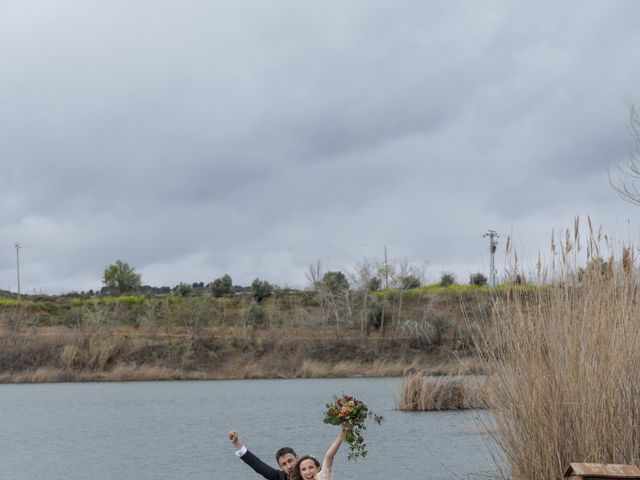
[(285, 457)]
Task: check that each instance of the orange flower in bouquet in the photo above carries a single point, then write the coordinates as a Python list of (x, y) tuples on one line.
[(350, 413)]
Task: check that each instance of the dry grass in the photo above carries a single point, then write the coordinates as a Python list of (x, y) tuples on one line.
[(40, 375), (378, 368), (107, 354), (121, 373), (566, 371), (95, 351), (136, 373), (424, 393)]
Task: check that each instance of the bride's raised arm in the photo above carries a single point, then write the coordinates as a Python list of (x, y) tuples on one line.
[(333, 449)]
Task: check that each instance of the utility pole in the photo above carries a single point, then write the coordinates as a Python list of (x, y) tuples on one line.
[(18, 266), (386, 269), (493, 245)]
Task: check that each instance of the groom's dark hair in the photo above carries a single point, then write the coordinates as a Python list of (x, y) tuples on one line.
[(284, 451)]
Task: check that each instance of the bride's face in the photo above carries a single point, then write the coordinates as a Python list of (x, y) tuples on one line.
[(308, 469)]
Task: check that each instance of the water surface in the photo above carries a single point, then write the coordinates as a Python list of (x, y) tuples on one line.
[(177, 430)]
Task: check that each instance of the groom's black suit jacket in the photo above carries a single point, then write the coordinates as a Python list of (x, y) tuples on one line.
[(262, 468)]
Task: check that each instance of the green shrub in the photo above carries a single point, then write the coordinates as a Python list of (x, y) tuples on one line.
[(108, 300), (447, 279), (184, 289), (120, 277), (477, 279), (256, 315), (221, 286), (261, 289), (375, 284), (335, 282), (9, 302), (378, 313), (408, 282), (29, 304), (132, 300)]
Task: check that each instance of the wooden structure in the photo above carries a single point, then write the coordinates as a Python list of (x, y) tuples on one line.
[(601, 471)]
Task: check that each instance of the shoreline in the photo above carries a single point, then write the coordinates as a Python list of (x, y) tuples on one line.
[(309, 369)]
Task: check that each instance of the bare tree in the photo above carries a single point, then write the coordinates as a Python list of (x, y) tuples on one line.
[(335, 289), (364, 278), (406, 271), (314, 274), (627, 179), (332, 294)]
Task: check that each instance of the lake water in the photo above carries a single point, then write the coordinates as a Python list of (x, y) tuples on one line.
[(178, 430)]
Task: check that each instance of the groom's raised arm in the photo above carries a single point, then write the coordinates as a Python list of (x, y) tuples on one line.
[(254, 462)]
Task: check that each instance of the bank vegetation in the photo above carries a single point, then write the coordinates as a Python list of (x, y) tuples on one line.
[(564, 363), (195, 335)]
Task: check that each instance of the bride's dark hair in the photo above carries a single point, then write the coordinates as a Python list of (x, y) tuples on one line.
[(295, 473)]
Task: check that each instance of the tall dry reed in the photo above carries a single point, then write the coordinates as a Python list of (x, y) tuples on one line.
[(421, 392), (566, 370)]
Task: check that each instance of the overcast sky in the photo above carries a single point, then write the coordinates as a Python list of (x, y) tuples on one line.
[(197, 138)]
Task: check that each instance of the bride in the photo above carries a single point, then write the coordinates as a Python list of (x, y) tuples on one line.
[(308, 468)]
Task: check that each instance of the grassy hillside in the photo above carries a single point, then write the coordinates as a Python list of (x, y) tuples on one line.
[(289, 334)]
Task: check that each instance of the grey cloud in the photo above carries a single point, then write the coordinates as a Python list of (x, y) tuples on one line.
[(198, 138)]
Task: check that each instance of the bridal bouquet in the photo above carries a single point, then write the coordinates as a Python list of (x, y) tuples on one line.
[(351, 414)]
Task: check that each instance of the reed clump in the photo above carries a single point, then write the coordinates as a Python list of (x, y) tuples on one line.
[(420, 392), (565, 360)]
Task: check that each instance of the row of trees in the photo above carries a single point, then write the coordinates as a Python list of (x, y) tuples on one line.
[(344, 300), (120, 278)]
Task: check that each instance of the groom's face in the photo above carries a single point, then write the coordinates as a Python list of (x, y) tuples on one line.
[(287, 462)]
